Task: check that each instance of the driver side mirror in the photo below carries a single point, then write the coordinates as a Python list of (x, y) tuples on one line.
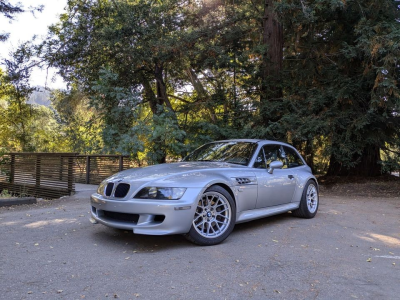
[(276, 164)]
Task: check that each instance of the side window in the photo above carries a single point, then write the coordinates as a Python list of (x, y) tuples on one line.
[(293, 158), (274, 152), (260, 161)]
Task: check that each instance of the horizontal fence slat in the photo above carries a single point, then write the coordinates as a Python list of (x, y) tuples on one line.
[(51, 175)]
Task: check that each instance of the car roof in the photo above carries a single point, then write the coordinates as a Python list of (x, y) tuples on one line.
[(258, 141), (240, 140), (252, 141)]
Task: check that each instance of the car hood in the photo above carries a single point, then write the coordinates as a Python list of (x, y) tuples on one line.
[(164, 171)]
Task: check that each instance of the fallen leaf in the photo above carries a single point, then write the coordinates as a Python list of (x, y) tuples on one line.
[(30, 292), (369, 259), (36, 244), (276, 291), (393, 264), (275, 241), (237, 260), (59, 291), (127, 257), (136, 295)]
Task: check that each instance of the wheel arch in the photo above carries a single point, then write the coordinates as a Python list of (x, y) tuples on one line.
[(315, 180), (227, 188)]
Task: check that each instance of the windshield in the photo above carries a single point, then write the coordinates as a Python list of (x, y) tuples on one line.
[(229, 152)]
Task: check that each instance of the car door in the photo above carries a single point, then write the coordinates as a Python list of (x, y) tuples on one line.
[(276, 188)]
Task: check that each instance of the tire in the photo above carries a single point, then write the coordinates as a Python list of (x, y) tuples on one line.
[(214, 218), (309, 202)]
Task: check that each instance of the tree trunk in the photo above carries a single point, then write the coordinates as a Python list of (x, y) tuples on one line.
[(272, 60), (368, 165), (150, 96), (162, 96), (201, 91)]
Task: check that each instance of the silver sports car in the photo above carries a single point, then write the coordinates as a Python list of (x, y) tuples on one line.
[(209, 191)]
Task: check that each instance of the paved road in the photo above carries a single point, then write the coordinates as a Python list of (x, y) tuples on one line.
[(350, 250)]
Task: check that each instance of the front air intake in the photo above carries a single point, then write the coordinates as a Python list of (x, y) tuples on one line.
[(109, 189), (121, 190)]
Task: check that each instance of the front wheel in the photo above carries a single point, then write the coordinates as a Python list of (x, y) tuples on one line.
[(309, 201), (214, 218)]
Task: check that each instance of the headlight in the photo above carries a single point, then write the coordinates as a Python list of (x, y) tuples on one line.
[(101, 188), (165, 193)]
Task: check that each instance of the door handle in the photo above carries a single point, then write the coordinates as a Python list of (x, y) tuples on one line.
[(291, 176)]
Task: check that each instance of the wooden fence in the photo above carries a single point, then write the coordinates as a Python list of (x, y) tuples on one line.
[(52, 175), (93, 169), (46, 175)]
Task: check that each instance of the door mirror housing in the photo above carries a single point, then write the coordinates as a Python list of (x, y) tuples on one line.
[(276, 164)]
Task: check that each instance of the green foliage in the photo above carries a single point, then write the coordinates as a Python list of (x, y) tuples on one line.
[(117, 108), (9, 11), (341, 73), (164, 137), (5, 194), (156, 79)]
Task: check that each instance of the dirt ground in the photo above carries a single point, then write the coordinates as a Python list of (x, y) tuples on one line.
[(350, 250), (387, 186)]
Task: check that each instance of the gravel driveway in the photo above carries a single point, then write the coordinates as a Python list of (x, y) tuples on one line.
[(350, 250)]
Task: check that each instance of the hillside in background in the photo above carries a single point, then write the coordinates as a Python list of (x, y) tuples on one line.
[(40, 97)]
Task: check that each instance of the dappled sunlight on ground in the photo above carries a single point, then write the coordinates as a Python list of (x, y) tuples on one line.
[(388, 240), (12, 223), (385, 239), (39, 224)]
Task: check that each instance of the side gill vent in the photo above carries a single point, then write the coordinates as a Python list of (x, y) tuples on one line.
[(243, 180)]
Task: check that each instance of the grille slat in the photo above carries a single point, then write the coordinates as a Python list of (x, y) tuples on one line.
[(121, 190), (109, 189)]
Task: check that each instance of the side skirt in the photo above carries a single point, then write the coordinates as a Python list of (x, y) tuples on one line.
[(249, 215)]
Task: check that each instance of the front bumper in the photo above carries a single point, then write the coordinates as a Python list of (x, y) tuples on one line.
[(153, 217)]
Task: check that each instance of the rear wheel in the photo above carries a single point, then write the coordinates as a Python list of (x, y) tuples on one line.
[(214, 218), (309, 201)]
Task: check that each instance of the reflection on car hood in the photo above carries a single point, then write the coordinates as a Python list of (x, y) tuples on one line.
[(165, 170)]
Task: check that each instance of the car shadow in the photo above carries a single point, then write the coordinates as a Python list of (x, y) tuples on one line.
[(260, 223), (117, 239)]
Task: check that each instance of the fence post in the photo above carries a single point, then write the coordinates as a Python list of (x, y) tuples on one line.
[(12, 168), (60, 172), (121, 163), (87, 181), (70, 174), (37, 167)]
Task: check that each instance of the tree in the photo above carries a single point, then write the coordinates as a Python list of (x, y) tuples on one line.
[(9, 11), (340, 66), (165, 76), (79, 124), (15, 89)]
